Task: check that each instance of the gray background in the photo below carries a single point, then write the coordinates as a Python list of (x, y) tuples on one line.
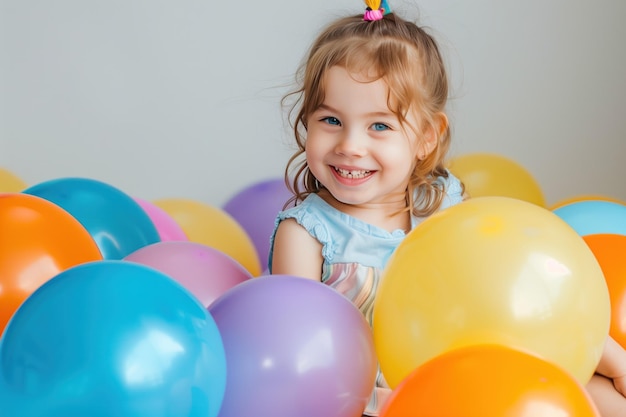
[(181, 98)]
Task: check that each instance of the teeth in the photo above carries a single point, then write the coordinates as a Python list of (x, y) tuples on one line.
[(352, 174)]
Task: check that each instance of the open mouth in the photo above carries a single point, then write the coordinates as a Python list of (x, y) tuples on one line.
[(352, 174)]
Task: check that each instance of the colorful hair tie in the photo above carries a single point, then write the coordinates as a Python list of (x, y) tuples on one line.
[(385, 6), (376, 9)]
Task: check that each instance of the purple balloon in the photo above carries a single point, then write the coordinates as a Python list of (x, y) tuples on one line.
[(294, 347), (255, 209), (206, 272)]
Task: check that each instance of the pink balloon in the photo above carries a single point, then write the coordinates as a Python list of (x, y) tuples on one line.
[(166, 226), (206, 272)]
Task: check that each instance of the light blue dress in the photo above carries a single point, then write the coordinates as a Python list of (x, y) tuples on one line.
[(355, 252)]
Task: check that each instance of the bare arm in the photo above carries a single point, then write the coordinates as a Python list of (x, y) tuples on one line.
[(613, 364), (296, 252)]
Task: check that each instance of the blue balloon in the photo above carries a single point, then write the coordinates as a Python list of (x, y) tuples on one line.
[(115, 221), (590, 217), (112, 338)]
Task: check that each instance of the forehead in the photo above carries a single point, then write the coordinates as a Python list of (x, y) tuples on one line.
[(355, 90)]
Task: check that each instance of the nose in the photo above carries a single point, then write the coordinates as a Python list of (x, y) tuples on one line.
[(351, 143)]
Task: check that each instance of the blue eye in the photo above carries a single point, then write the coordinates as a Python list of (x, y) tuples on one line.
[(379, 127), (332, 121)]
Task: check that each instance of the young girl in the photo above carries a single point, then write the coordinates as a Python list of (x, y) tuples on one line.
[(372, 136)]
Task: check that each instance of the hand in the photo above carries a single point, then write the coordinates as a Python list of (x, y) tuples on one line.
[(620, 384), (613, 364)]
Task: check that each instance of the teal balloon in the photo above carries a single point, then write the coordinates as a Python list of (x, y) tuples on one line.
[(112, 338), (591, 217), (116, 222)]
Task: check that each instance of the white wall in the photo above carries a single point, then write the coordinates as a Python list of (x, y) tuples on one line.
[(180, 98)]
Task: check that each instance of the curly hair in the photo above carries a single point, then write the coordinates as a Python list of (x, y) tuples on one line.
[(408, 60)]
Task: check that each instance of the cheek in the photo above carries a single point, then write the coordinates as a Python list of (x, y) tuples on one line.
[(313, 155), (402, 162), (401, 155), (314, 147)]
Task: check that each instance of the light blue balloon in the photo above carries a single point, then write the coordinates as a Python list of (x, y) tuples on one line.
[(590, 217), (115, 221), (112, 338)]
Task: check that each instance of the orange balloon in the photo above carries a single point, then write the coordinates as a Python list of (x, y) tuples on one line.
[(489, 380), (213, 227), (610, 252), (38, 240)]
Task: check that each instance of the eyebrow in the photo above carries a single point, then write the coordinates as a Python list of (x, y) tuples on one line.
[(372, 114)]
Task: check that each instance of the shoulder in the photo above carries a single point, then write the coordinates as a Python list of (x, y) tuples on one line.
[(306, 225), (453, 190), (309, 214), (295, 244), (290, 229), (295, 251)]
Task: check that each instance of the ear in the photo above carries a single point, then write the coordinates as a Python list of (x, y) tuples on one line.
[(432, 135)]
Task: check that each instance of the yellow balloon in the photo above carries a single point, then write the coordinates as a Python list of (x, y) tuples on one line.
[(485, 174), (10, 183), (585, 197), (212, 226), (492, 270)]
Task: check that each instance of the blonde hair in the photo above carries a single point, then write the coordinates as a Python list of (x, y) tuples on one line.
[(408, 59)]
